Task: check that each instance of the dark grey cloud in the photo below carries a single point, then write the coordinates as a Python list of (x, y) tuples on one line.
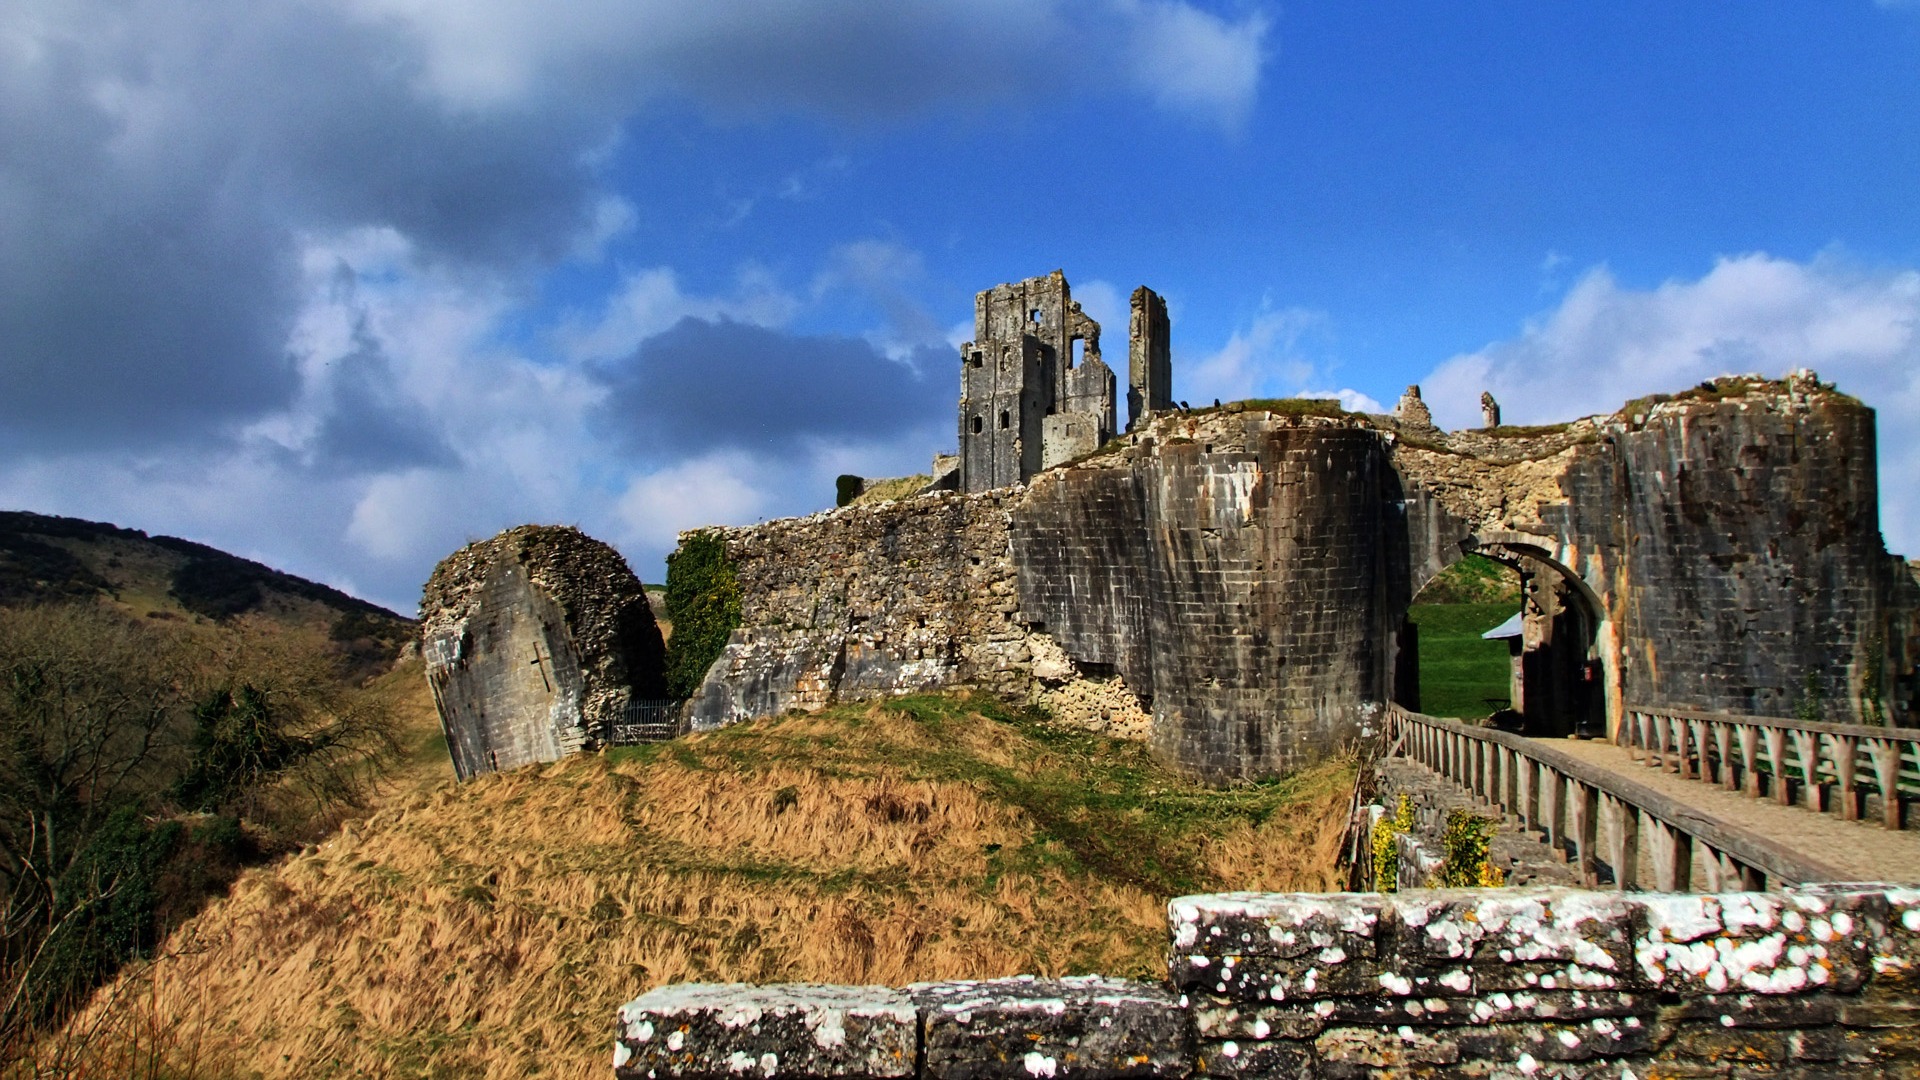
[(159, 165), (705, 385), (370, 425), (163, 166)]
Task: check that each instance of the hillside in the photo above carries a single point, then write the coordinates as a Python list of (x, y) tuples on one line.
[(47, 558), (490, 929), (173, 714)]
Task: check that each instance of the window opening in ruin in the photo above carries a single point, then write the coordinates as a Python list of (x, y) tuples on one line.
[(1006, 420), (1036, 315), (977, 361), (1076, 353), (977, 425)]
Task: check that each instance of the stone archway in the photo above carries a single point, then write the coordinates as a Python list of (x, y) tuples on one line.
[(1565, 680)]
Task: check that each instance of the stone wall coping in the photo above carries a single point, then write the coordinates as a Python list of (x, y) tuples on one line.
[(1499, 982)]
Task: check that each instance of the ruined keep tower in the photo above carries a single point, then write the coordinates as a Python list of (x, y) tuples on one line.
[(1034, 392)]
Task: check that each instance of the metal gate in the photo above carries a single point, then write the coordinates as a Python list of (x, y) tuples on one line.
[(645, 722)]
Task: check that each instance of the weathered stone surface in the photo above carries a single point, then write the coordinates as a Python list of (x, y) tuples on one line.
[(1451, 943), (868, 602), (1034, 391), (1250, 1060), (704, 1031), (534, 642), (1762, 943), (1088, 1027)]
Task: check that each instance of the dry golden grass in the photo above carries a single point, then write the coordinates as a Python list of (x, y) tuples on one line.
[(491, 929)]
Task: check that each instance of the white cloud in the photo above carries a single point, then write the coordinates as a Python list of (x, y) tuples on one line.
[(1606, 344), (838, 56), (1266, 359), (1195, 62), (649, 301), (612, 217), (717, 489), (1350, 399), (1106, 305)]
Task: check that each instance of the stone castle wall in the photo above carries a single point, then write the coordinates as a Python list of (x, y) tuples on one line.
[(1729, 542), (1236, 580), (867, 601), (1520, 983), (1244, 572)]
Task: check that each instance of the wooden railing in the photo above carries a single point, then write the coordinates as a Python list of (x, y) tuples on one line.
[(1576, 806), (1768, 756)]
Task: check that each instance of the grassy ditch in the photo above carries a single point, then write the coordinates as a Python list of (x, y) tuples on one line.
[(491, 928)]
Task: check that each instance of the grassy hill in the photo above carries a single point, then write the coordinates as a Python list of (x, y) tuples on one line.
[(1461, 674), (490, 929), (45, 558), (171, 715)]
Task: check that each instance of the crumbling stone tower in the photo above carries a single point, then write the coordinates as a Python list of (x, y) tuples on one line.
[(1034, 391), (1149, 359), (535, 641)]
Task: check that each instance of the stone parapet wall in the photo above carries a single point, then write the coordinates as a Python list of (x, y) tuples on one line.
[(1522, 983)]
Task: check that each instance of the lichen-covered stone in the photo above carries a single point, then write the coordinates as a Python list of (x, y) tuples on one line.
[(1255, 1060), (1376, 986), (704, 1031), (1763, 943), (1085, 1027)]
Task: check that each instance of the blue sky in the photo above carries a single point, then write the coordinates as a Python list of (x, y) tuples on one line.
[(342, 284)]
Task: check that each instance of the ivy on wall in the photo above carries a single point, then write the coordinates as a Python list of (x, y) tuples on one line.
[(703, 603)]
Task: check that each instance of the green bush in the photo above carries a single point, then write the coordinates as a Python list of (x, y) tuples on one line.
[(1464, 846), (703, 603), (218, 588), (1474, 579), (106, 903), (238, 743)]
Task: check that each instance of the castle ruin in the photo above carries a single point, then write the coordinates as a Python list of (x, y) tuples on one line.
[(1034, 392), (1235, 581)]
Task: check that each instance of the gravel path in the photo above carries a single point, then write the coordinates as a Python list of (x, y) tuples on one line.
[(1865, 850)]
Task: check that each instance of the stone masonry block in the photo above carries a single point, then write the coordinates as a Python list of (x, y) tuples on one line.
[(1281, 925), (1765, 943), (1301, 1020), (1278, 1060), (1084, 1027), (1519, 939), (705, 1031)]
